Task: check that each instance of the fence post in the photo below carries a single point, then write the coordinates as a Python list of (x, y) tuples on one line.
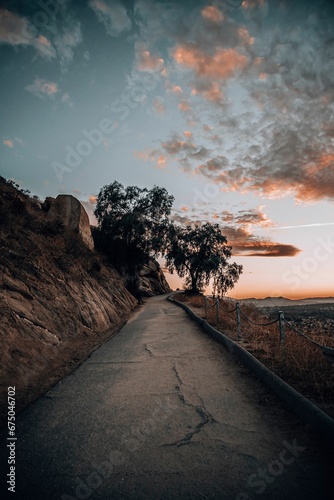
[(206, 306), (281, 327), (217, 310), (238, 320)]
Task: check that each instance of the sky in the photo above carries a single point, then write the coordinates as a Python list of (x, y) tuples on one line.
[(228, 104)]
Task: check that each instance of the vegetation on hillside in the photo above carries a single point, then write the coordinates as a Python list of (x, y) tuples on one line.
[(297, 361)]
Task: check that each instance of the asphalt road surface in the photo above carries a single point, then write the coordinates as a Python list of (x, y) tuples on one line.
[(161, 411)]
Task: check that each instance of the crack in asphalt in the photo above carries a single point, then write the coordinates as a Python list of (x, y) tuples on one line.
[(148, 350), (205, 416)]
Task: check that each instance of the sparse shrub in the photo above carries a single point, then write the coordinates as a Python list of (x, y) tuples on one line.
[(95, 267), (74, 247), (52, 228), (297, 361), (63, 263), (17, 207), (197, 300), (25, 191)]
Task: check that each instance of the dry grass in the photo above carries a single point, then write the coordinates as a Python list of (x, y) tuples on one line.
[(297, 361)]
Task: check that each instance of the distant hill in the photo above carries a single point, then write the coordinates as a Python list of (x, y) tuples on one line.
[(282, 301)]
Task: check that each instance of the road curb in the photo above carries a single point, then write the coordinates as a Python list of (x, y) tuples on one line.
[(293, 400)]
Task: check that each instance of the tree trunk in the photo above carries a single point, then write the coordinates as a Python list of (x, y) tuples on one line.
[(193, 284)]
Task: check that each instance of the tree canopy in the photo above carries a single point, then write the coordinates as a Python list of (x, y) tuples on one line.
[(199, 254), (133, 223)]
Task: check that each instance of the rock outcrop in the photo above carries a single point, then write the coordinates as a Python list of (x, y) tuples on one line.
[(152, 280), (58, 300), (69, 210)]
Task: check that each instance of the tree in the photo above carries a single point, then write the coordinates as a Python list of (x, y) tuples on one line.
[(199, 254), (133, 223)]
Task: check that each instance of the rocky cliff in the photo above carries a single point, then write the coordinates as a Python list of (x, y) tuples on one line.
[(152, 280), (73, 215), (58, 298)]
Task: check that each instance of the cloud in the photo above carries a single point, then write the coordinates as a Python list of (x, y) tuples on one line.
[(113, 15), (254, 216), (8, 143), (212, 14), (161, 161), (244, 243), (287, 163), (211, 91), (89, 206), (176, 89), (153, 155), (212, 166), (184, 106), (42, 88), (158, 105), (147, 61), (67, 40), (176, 146), (264, 249), (56, 37), (65, 98), (159, 20), (275, 134), (222, 65), (184, 150), (18, 31)]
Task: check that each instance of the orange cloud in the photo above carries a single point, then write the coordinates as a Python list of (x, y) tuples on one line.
[(244, 243), (176, 146), (42, 88), (263, 249), (222, 65), (212, 13), (161, 161), (314, 182), (8, 143), (143, 155), (147, 61), (213, 93), (153, 155), (44, 41), (158, 106), (176, 89), (188, 134), (184, 106)]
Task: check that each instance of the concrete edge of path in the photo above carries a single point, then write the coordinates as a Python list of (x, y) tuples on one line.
[(293, 400)]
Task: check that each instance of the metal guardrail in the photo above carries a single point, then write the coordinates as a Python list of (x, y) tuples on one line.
[(328, 351)]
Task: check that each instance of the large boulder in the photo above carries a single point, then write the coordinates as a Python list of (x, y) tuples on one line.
[(73, 215), (152, 280)]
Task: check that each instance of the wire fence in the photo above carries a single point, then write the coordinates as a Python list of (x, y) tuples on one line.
[(328, 351)]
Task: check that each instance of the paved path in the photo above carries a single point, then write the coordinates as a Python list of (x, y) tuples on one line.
[(161, 411)]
